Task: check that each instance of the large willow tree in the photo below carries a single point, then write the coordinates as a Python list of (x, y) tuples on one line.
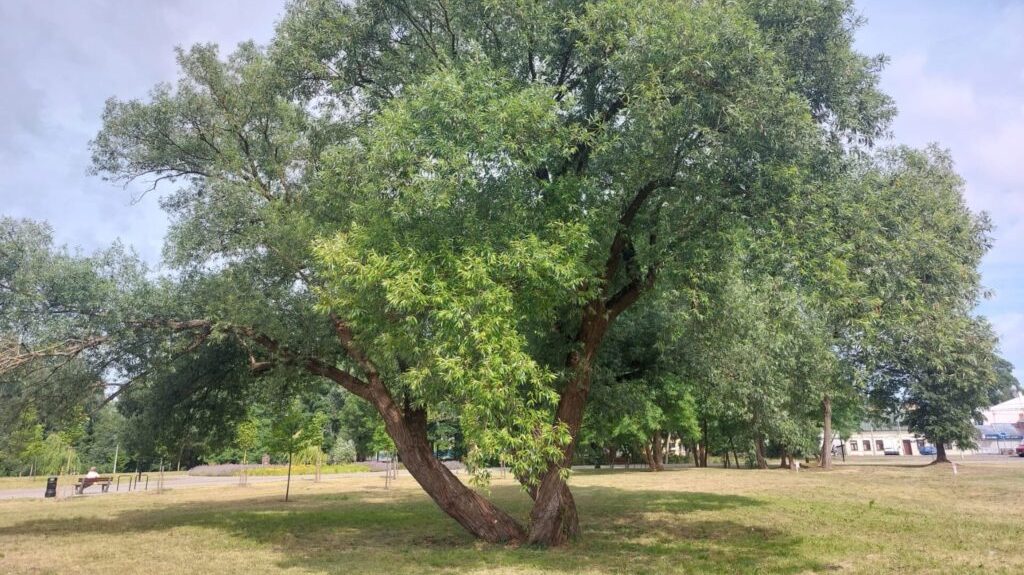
[(444, 206)]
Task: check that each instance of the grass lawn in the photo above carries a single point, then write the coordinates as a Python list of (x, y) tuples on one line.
[(281, 470), (857, 519)]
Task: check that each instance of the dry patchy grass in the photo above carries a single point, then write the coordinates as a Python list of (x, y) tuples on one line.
[(876, 519)]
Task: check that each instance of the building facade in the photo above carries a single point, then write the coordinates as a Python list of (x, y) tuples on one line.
[(1002, 431)]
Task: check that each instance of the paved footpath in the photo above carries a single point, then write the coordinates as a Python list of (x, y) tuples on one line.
[(188, 481), (175, 482)]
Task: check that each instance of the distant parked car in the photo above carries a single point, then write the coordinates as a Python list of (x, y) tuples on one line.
[(926, 450), (447, 455), (1020, 450), (891, 451)]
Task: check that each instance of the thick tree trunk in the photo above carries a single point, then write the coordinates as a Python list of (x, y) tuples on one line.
[(408, 429), (762, 463), (553, 519), (940, 452), (826, 441), (658, 454), (649, 457)]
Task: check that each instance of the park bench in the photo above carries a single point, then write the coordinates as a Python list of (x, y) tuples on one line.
[(103, 481)]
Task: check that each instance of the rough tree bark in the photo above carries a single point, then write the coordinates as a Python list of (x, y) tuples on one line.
[(553, 519), (762, 463), (658, 452), (649, 457), (826, 440), (940, 452), (408, 428)]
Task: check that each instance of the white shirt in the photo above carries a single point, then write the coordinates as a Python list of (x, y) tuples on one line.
[(92, 475)]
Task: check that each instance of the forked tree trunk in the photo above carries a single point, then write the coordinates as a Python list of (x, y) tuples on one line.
[(826, 441), (553, 519)]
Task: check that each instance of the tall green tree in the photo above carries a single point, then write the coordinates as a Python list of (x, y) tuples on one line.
[(450, 203)]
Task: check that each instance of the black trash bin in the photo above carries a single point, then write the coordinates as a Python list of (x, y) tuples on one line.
[(51, 487)]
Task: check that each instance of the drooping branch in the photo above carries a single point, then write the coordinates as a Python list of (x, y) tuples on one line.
[(345, 336), (17, 356), (281, 354)]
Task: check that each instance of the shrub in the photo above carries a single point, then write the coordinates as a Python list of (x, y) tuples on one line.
[(344, 451)]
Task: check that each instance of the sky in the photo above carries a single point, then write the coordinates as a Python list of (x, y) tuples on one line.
[(956, 72)]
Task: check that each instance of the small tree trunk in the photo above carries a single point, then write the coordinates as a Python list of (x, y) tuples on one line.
[(826, 442), (940, 452), (288, 485), (732, 446), (704, 442), (659, 452)]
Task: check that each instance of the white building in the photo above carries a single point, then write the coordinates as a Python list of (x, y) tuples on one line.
[(1011, 412), (1002, 431)]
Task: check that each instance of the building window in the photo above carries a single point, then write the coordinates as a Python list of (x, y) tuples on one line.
[(879, 446), (853, 446), (867, 445)]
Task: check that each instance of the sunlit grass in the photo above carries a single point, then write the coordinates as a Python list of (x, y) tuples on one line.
[(870, 519)]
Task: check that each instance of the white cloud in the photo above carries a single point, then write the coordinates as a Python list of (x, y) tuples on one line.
[(1010, 327), (934, 96)]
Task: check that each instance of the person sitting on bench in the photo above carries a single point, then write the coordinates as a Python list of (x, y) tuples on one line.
[(91, 477)]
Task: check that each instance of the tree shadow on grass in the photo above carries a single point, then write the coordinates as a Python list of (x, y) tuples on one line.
[(625, 531)]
